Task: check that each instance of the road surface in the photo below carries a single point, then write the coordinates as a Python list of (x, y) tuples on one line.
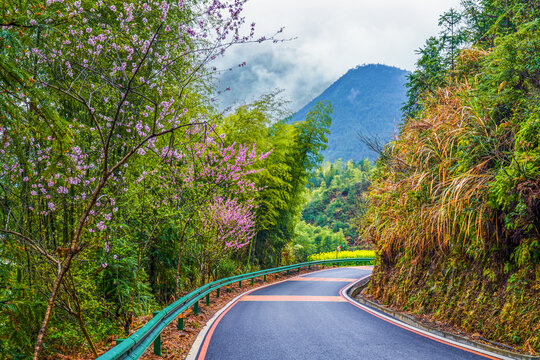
[(307, 318)]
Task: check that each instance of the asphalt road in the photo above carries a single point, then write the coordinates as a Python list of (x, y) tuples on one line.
[(308, 319)]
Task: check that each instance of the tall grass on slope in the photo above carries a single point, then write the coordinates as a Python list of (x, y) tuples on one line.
[(455, 201), (442, 192)]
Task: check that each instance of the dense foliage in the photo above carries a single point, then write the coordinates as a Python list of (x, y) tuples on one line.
[(455, 201), (120, 187), (336, 198)]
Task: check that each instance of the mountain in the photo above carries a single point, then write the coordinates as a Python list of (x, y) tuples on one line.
[(367, 99)]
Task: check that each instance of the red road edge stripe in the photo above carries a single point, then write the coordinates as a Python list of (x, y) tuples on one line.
[(305, 278), (204, 347), (306, 298), (208, 337), (414, 331)]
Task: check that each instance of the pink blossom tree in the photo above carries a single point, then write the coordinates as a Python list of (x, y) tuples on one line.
[(191, 179), (99, 84), (226, 226)]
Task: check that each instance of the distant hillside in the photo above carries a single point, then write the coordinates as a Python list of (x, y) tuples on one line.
[(366, 99)]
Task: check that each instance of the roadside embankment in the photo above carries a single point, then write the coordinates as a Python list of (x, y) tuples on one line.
[(462, 298)]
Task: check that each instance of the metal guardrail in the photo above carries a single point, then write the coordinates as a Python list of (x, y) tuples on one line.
[(135, 345)]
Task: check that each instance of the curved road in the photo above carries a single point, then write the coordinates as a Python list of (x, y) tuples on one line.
[(307, 318)]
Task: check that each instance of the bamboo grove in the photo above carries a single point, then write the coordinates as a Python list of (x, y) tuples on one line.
[(121, 187)]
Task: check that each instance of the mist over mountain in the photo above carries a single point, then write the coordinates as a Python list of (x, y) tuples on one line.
[(266, 71), (367, 99)]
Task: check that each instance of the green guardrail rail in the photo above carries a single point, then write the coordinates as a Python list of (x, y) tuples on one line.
[(135, 345)]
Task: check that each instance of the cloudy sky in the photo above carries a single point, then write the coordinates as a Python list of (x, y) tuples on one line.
[(331, 36)]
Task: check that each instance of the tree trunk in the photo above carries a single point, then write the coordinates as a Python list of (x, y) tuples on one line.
[(80, 320), (50, 305), (86, 334), (64, 267), (177, 290)]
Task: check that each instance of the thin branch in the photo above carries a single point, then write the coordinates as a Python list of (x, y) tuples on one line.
[(33, 244), (80, 100)]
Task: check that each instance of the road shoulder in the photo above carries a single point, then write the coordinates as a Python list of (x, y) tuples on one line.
[(353, 294)]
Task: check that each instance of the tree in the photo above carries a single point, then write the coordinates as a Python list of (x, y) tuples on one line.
[(225, 226), (297, 152), (427, 78), (451, 35), (118, 76)]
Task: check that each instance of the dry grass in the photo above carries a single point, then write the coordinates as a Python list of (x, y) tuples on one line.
[(435, 198)]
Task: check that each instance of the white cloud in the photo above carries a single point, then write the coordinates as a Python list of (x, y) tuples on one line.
[(332, 36)]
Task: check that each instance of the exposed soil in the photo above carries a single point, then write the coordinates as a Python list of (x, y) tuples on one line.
[(175, 343), (429, 321)]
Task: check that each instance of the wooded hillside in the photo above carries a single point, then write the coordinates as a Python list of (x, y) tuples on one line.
[(455, 201), (366, 100)]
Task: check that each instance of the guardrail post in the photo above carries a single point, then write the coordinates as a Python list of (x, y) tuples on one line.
[(208, 299), (180, 325), (240, 284), (196, 294), (157, 341)]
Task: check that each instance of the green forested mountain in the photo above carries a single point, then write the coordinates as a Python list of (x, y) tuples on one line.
[(455, 201), (367, 99), (336, 197), (334, 202)]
